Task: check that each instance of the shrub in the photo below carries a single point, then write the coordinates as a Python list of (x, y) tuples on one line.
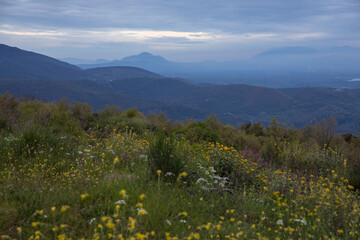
[(200, 131), (165, 155)]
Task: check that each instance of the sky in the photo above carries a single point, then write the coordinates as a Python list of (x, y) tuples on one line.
[(179, 30)]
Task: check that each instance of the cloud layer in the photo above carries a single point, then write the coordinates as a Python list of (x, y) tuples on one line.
[(180, 30)]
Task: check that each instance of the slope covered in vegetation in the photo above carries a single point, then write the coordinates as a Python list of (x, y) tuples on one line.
[(68, 173)]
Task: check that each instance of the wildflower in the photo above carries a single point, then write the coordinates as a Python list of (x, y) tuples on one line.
[(280, 222), (92, 220), (83, 196), (168, 222), (158, 172), (110, 225), (53, 209), (142, 211), (303, 221), (169, 174), (340, 231), (185, 214), (40, 212), (197, 236), (201, 180), (116, 160), (183, 174), (123, 193), (131, 224), (64, 208), (61, 237), (35, 224), (120, 202), (142, 196), (141, 236)]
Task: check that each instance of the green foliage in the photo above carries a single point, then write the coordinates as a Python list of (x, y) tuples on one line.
[(254, 129), (201, 131), (165, 154), (66, 173)]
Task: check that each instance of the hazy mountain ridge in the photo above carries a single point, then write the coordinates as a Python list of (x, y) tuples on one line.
[(278, 67), (16, 63), (151, 93)]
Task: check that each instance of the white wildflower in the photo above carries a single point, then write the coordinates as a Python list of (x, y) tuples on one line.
[(92, 220), (120, 202), (303, 221), (201, 180)]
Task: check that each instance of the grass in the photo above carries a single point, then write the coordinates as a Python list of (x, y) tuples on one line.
[(114, 183), (107, 190)]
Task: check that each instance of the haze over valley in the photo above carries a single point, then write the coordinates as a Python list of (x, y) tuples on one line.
[(31, 74)]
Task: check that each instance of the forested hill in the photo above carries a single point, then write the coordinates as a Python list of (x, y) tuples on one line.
[(32, 74)]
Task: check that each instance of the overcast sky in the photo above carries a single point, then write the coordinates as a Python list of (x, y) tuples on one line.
[(180, 30)]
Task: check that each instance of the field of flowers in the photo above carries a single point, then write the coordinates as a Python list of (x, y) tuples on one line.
[(122, 176)]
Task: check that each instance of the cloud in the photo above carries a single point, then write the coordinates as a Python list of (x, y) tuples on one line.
[(164, 24), (304, 36)]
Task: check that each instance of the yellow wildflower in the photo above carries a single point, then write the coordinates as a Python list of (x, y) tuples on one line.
[(142, 196), (64, 208), (123, 193), (83, 196)]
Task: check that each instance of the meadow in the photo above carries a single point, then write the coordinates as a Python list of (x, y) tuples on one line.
[(66, 173)]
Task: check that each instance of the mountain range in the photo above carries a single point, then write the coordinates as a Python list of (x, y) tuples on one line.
[(276, 68), (32, 74)]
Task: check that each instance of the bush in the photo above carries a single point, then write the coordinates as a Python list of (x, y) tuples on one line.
[(200, 131), (165, 155)]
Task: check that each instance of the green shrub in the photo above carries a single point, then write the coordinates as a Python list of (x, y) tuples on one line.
[(165, 155), (200, 131)]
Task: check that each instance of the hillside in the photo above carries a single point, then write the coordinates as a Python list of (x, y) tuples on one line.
[(116, 73), (67, 173), (17, 64), (130, 87)]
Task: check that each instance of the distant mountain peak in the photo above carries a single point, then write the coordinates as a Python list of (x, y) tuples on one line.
[(144, 57), (146, 54), (289, 50)]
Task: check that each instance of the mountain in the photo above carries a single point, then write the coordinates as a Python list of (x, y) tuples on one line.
[(145, 57), (116, 73), (276, 68), (143, 60), (16, 63), (288, 51), (27, 73), (76, 61)]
